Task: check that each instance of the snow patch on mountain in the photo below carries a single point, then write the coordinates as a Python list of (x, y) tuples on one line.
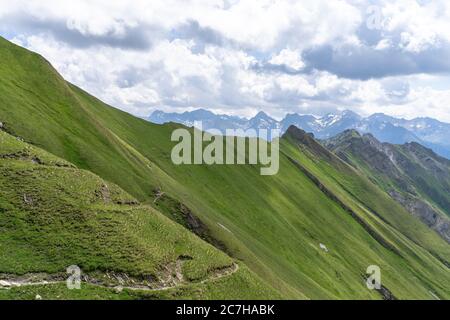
[(426, 131)]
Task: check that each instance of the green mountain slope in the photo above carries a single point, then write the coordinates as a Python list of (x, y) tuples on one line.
[(53, 215), (414, 176), (277, 225)]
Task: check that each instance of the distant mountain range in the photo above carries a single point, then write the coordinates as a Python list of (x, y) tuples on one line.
[(426, 131)]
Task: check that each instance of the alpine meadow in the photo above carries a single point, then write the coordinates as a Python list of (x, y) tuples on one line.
[(224, 158), (84, 184)]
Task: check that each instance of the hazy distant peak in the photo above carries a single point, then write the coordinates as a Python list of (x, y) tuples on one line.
[(428, 132)]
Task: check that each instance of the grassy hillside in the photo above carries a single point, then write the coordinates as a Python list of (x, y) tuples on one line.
[(414, 176), (54, 215), (274, 224), (386, 220), (408, 168)]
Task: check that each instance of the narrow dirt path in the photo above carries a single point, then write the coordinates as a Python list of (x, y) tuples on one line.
[(8, 282)]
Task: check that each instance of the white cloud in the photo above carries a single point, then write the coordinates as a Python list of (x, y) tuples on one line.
[(421, 24), (289, 58), (295, 84), (383, 44), (242, 56), (368, 91)]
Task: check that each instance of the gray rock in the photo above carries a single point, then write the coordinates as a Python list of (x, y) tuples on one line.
[(5, 284), (323, 247), (425, 213)]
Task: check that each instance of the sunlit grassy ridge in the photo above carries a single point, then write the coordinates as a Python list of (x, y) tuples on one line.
[(274, 224), (53, 215), (424, 252), (411, 168)]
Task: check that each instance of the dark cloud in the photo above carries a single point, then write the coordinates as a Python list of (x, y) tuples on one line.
[(203, 36), (131, 77), (267, 67), (193, 30), (396, 89), (369, 37), (364, 62), (139, 37)]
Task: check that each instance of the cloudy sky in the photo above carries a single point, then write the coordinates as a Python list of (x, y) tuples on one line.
[(241, 57)]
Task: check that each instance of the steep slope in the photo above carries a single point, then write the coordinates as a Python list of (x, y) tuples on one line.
[(275, 224), (414, 176), (380, 215), (53, 215)]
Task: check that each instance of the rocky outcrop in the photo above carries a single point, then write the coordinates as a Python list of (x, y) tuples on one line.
[(307, 142), (183, 215), (386, 293), (409, 173), (378, 155), (425, 213)]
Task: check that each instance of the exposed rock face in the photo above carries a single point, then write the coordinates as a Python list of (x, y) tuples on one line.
[(386, 294), (181, 214), (425, 213), (411, 174), (379, 156)]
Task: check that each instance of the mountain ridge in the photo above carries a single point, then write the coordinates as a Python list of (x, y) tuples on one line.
[(276, 226), (395, 168), (71, 217), (425, 131)]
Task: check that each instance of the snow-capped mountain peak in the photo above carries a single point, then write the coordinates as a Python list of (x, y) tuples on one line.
[(426, 131)]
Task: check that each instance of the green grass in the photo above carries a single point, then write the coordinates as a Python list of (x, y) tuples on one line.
[(241, 286), (388, 219), (53, 215), (274, 224), (417, 170)]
